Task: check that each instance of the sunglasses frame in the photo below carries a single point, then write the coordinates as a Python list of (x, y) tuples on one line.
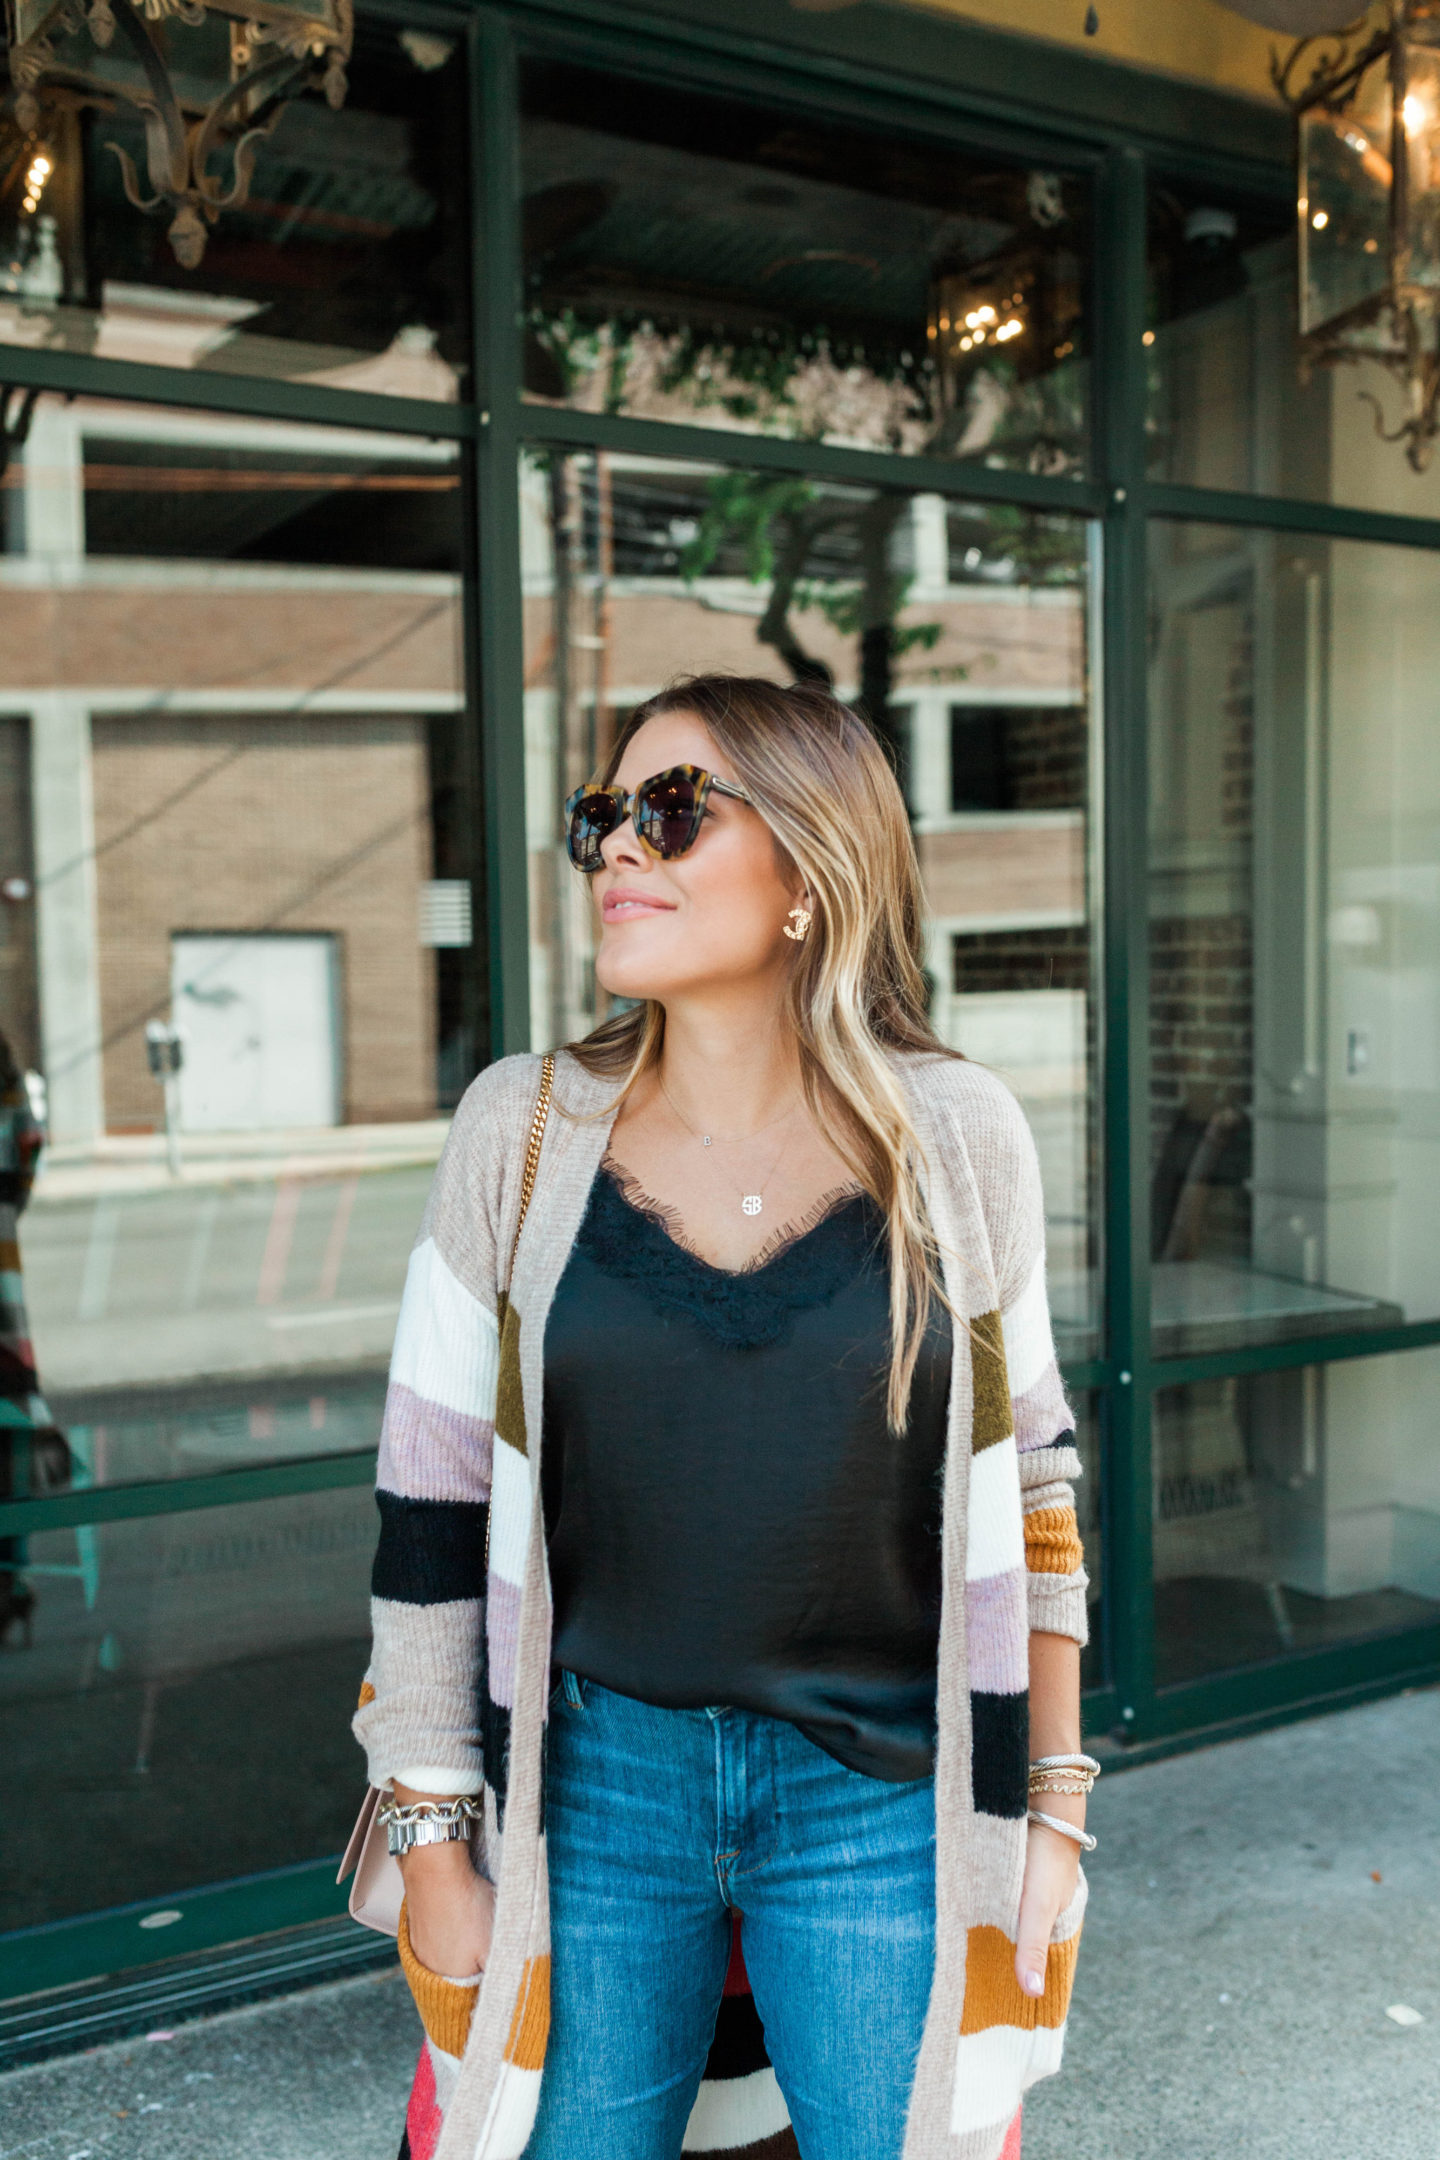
[(628, 805)]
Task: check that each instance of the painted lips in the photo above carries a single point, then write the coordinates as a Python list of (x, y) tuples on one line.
[(622, 906)]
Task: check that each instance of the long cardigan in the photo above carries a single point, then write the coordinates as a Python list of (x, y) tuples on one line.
[(460, 1674)]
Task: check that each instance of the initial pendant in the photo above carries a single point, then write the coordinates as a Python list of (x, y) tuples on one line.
[(751, 1203)]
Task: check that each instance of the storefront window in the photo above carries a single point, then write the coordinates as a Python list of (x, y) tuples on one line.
[(233, 746), (185, 1673), (691, 257), (1229, 403), (1295, 1511), (344, 265), (1295, 936), (963, 631)]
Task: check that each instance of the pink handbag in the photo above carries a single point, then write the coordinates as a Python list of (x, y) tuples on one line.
[(378, 1890)]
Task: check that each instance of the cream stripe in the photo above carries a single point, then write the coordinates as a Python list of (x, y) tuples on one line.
[(510, 1513), (994, 1536), (1028, 1345), (730, 2113), (447, 1346), (512, 2113), (440, 1783), (992, 2070)]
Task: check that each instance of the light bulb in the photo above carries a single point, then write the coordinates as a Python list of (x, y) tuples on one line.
[(1148, 338), (1414, 113), (985, 314), (1320, 220)]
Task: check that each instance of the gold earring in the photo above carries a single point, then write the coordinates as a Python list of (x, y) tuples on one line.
[(800, 916)]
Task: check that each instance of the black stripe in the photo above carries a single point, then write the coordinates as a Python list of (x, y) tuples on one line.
[(404, 2152), (738, 2048), (431, 1552), (495, 1749), (1000, 1762)]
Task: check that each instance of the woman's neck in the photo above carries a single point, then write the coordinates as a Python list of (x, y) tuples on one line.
[(729, 1071)]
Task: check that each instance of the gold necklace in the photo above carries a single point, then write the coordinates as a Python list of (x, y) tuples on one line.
[(750, 1202)]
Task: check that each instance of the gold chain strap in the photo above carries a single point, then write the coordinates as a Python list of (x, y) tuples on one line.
[(527, 1187), (532, 1153)]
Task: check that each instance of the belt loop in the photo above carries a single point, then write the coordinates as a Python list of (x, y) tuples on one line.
[(570, 1686)]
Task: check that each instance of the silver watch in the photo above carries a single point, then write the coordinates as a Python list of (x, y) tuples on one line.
[(427, 1822)]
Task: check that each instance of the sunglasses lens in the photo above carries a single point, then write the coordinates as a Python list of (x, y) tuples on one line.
[(592, 820), (668, 813)]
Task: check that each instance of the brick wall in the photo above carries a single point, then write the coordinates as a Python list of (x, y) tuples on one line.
[(1202, 988), (1048, 752), (235, 824)]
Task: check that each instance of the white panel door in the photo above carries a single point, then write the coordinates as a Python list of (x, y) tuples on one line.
[(258, 1017)]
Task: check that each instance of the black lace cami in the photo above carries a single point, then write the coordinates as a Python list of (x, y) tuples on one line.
[(729, 1520)]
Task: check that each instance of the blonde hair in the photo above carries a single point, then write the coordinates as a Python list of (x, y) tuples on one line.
[(822, 783)]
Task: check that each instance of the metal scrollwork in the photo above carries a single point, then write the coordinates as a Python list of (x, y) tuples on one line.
[(198, 162)]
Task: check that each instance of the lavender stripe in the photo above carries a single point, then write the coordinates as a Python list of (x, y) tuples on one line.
[(502, 1630), (997, 1628), (1042, 1413), (429, 1452)]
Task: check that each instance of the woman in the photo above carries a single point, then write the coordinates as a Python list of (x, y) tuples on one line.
[(780, 1581)]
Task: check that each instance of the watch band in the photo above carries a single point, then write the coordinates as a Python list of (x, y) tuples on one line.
[(427, 1822)]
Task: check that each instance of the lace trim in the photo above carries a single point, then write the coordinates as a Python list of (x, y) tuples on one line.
[(632, 1235), (667, 1219)]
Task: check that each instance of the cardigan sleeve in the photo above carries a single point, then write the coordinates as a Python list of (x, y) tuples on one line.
[(1007, 1171), (420, 1703)]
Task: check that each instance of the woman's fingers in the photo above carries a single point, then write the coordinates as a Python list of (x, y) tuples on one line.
[(1050, 1870), (1034, 1945)]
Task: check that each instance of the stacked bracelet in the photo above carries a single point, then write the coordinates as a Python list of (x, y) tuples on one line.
[(427, 1822), (1063, 1774)]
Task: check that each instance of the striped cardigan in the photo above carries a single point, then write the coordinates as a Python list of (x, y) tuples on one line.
[(458, 1687)]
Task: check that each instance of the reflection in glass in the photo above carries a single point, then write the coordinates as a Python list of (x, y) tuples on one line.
[(1089, 1513), (1295, 936), (1230, 403), (345, 265), (692, 258), (961, 630), (183, 1672), (237, 782), (1294, 1510)]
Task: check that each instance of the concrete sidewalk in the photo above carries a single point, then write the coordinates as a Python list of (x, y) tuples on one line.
[(1256, 1910)]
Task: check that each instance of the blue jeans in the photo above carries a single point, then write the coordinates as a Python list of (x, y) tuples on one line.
[(661, 1825)]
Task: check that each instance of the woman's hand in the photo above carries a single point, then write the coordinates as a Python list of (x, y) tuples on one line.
[(450, 1910), (1052, 1869)]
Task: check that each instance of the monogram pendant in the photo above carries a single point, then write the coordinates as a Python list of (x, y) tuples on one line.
[(751, 1203)]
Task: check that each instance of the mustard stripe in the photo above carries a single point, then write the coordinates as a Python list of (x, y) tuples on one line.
[(445, 2006), (993, 1995), (530, 2026), (1052, 1542)]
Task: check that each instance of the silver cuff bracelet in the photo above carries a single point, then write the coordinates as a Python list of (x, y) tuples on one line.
[(427, 1822), (1066, 1829)]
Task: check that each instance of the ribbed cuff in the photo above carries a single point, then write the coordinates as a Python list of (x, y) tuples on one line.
[(438, 1782), (1057, 1605)]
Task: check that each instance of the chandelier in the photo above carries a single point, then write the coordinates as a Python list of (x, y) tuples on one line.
[(1368, 200), (209, 78)]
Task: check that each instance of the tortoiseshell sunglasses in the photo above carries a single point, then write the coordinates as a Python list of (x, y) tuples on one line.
[(665, 810)]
